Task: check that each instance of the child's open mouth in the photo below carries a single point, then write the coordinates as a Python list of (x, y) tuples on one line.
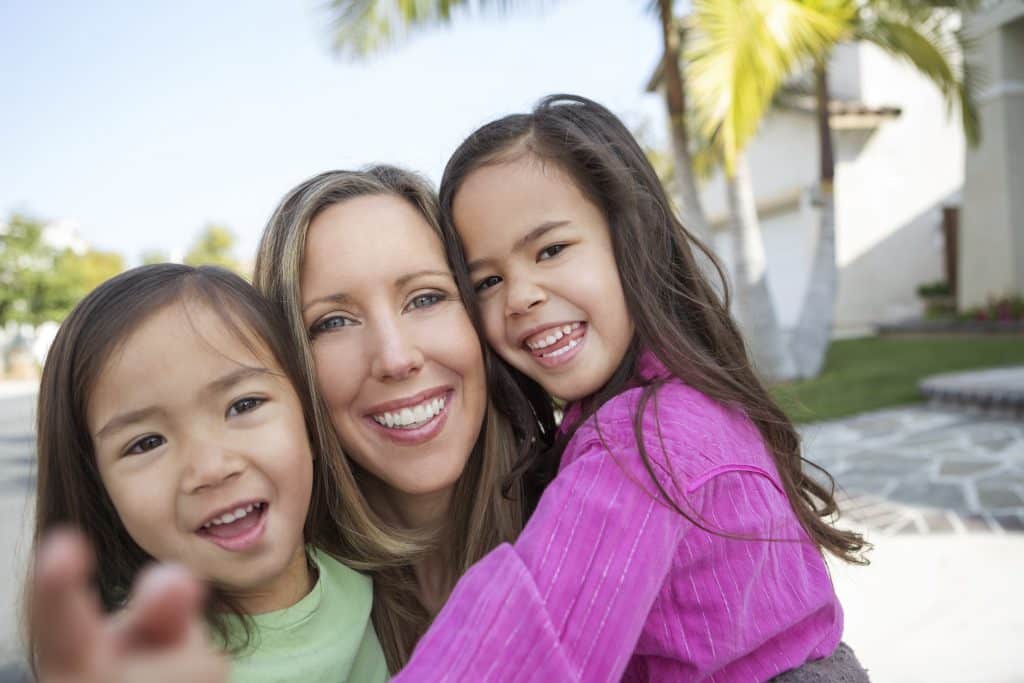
[(556, 345), (238, 528)]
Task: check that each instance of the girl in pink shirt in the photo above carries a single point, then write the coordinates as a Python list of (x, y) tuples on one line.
[(680, 538)]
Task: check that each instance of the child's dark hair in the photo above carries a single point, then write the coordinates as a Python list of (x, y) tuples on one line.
[(69, 491), (677, 312)]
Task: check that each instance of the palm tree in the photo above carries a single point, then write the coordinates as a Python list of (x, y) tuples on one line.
[(672, 77), (741, 53), (923, 33)]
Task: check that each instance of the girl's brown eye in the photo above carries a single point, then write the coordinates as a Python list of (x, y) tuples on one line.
[(551, 251), (245, 405), (487, 283), (146, 443)]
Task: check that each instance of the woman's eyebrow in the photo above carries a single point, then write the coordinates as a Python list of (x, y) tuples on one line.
[(532, 236), (409, 277), (336, 298)]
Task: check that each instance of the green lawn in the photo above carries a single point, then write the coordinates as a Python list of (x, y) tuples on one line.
[(872, 373)]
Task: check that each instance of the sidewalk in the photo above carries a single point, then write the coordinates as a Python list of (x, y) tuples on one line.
[(940, 493)]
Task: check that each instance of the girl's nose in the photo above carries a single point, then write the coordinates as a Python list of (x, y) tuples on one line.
[(522, 296), (210, 465)]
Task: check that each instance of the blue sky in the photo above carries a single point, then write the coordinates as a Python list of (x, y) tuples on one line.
[(143, 121)]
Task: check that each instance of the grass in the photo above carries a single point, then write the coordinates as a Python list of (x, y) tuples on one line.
[(873, 372)]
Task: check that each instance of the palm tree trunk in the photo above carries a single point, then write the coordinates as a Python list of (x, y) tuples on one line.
[(754, 306), (811, 337), (675, 101)]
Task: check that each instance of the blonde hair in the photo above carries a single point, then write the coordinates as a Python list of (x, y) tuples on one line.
[(488, 504)]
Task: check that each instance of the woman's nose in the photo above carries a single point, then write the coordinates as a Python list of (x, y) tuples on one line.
[(397, 354)]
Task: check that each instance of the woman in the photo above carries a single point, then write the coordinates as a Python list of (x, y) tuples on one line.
[(356, 263)]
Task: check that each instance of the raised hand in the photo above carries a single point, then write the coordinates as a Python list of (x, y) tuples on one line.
[(160, 636)]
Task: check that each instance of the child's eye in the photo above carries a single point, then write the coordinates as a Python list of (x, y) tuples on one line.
[(331, 322), (425, 300), (487, 283), (551, 251), (146, 443), (245, 405)]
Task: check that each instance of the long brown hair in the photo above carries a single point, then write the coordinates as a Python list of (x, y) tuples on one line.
[(677, 311), (488, 507), (69, 490)]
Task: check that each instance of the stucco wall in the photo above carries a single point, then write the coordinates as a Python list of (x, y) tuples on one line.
[(992, 238)]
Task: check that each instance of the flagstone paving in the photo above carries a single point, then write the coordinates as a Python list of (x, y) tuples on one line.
[(925, 469)]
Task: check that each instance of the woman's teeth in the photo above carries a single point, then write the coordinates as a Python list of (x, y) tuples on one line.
[(411, 417), (553, 336), (234, 516)]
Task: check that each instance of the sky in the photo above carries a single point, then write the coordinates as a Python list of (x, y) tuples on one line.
[(144, 121)]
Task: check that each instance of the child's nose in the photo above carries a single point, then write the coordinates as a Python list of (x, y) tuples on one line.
[(209, 466), (523, 295)]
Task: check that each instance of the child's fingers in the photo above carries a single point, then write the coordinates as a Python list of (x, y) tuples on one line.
[(166, 601), (64, 609)]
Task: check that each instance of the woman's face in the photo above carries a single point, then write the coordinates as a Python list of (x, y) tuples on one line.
[(397, 358)]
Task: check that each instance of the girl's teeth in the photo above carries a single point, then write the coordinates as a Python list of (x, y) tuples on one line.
[(232, 516), (558, 352), (553, 336)]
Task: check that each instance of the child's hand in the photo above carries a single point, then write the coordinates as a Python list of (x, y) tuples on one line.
[(160, 636)]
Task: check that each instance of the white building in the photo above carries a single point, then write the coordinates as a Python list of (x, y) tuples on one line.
[(992, 238)]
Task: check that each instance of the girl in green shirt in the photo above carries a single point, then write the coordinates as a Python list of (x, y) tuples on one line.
[(174, 424)]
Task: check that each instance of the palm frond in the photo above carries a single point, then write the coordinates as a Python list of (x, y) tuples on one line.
[(936, 49), (362, 27), (741, 51)]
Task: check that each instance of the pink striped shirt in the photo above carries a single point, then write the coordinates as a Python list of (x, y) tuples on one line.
[(607, 582)]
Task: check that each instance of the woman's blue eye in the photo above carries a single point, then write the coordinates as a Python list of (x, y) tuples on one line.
[(245, 405), (146, 443), (425, 300), (548, 252), (487, 283), (329, 323)]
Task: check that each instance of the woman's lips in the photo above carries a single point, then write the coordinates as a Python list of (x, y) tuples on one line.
[(419, 433)]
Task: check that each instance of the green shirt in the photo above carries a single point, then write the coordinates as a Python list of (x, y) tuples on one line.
[(325, 637)]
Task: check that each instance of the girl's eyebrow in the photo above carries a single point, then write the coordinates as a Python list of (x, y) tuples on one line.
[(532, 236), (225, 382), (121, 421), (217, 386)]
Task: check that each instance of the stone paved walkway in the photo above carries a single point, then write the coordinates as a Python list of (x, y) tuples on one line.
[(925, 470)]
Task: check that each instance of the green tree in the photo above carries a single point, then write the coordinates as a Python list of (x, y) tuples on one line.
[(213, 246), (151, 256), (39, 282)]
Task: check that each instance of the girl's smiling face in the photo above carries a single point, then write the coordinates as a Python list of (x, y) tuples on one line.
[(202, 447), (397, 359), (541, 259)]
